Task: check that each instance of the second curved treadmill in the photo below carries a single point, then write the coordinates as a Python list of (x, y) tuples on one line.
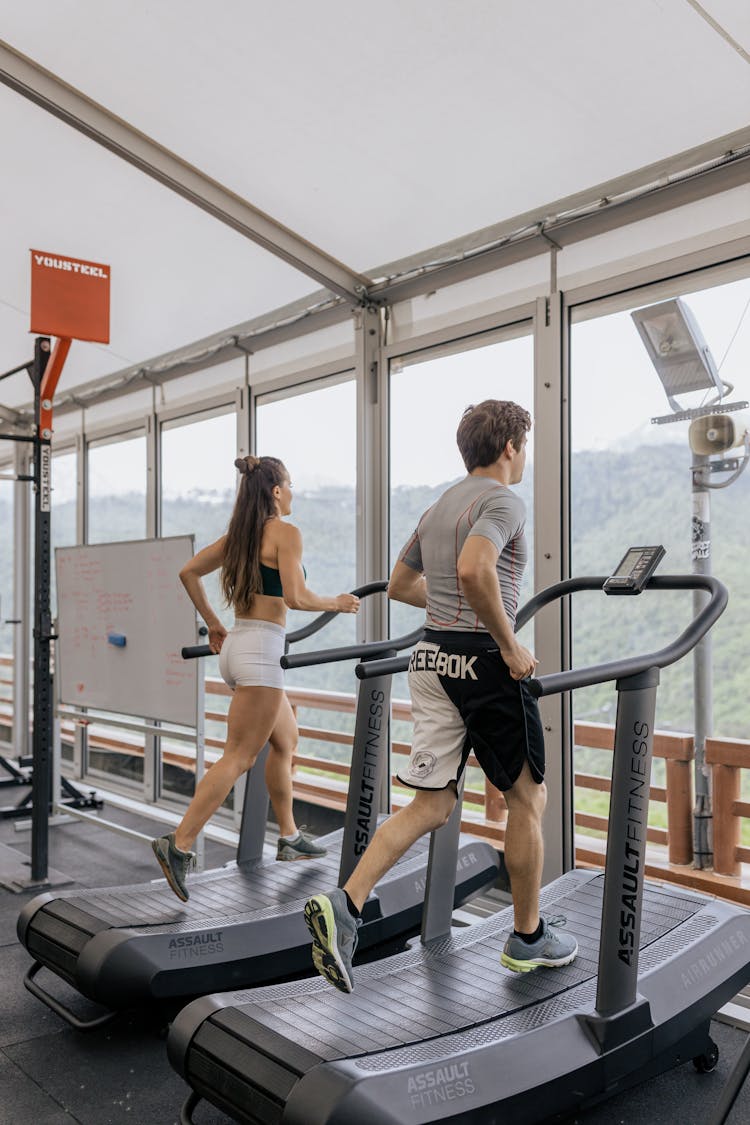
[(243, 925)]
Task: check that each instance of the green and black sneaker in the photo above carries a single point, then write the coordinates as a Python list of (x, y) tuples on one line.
[(174, 863), (301, 846), (551, 950), (334, 933)]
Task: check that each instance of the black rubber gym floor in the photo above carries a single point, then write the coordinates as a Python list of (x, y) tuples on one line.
[(52, 1075)]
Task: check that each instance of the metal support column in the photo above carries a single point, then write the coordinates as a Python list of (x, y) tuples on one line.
[(80, 735), (372, 486), (43, 700), (551, 565), (700, 551), (152, 740), (21, 602)]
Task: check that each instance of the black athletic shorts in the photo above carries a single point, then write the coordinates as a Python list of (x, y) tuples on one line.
[(464, 698)]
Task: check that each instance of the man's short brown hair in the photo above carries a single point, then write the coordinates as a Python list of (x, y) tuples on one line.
[(486, 429)]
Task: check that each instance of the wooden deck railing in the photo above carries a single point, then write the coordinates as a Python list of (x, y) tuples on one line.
[(323, 780)]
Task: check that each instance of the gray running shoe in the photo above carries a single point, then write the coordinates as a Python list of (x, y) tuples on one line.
[(334, 934), (301, 846), (174, 863), (552, 949)]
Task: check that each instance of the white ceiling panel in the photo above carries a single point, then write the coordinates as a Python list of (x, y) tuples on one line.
[(177, 273), (374, 132)]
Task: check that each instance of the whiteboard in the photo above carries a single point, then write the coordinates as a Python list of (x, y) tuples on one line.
[(122, 618)]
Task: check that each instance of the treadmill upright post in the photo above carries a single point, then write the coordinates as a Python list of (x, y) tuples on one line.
[(437, 912), (626, 843), (254, 811), (370, 758)]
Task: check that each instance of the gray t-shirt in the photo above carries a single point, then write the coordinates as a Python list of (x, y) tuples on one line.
[(474, 506)]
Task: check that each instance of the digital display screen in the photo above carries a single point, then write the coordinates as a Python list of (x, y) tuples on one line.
[(630, 560)]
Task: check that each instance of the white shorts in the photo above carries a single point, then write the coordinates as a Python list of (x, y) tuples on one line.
[(251, 653)]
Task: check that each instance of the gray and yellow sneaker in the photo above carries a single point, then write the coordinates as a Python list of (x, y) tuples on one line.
[(334, 933), (552, 949), (301, 846), (174, 863)]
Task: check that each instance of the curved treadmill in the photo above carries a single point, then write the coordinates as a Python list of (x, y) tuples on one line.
[(444, 1033), (243, 925)]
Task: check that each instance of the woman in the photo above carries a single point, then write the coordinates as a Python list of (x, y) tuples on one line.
[(261, 575)]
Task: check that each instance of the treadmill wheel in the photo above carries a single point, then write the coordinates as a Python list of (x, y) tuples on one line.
[(706, 1062)]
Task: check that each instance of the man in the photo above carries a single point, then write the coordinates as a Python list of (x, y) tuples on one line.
[(464, 565)]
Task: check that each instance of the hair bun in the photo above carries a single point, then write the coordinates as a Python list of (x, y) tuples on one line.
[(247, 465)]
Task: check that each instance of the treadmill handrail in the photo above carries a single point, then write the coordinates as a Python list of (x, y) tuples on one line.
[(192, 652), (322, 619), (366, 651), (557, 682)]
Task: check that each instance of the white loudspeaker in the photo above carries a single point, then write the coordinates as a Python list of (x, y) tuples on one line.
[(716, 433)]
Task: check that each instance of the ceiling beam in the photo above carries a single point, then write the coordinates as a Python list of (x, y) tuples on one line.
[(246, 339), (43, 88), (674, 182)]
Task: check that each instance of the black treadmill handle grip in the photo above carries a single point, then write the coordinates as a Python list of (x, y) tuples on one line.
[(192, 652), (58, 1008), (389, 666), (192, 1101), (368, 650)]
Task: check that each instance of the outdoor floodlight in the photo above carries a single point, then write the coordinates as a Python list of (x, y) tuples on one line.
[(677, 349)]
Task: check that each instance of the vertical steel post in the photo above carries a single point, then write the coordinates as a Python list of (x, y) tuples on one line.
[(372, 547), (81, 737), (551, 564), (43, 702), (700, 550), (152, 771), (21, 602), (372, 487), (626, 843)]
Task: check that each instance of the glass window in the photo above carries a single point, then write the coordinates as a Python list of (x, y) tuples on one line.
[(428, 396), (198, 483), (314, 434), (117, 490), (631, 484), (300, 431), (427, 399)]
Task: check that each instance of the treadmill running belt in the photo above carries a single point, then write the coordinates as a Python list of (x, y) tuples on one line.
[(456, 984)]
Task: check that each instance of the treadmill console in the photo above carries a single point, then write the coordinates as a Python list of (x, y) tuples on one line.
[(635, 568)]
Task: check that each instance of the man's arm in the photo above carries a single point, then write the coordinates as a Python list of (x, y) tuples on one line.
[(477, 574), (407, 585)]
